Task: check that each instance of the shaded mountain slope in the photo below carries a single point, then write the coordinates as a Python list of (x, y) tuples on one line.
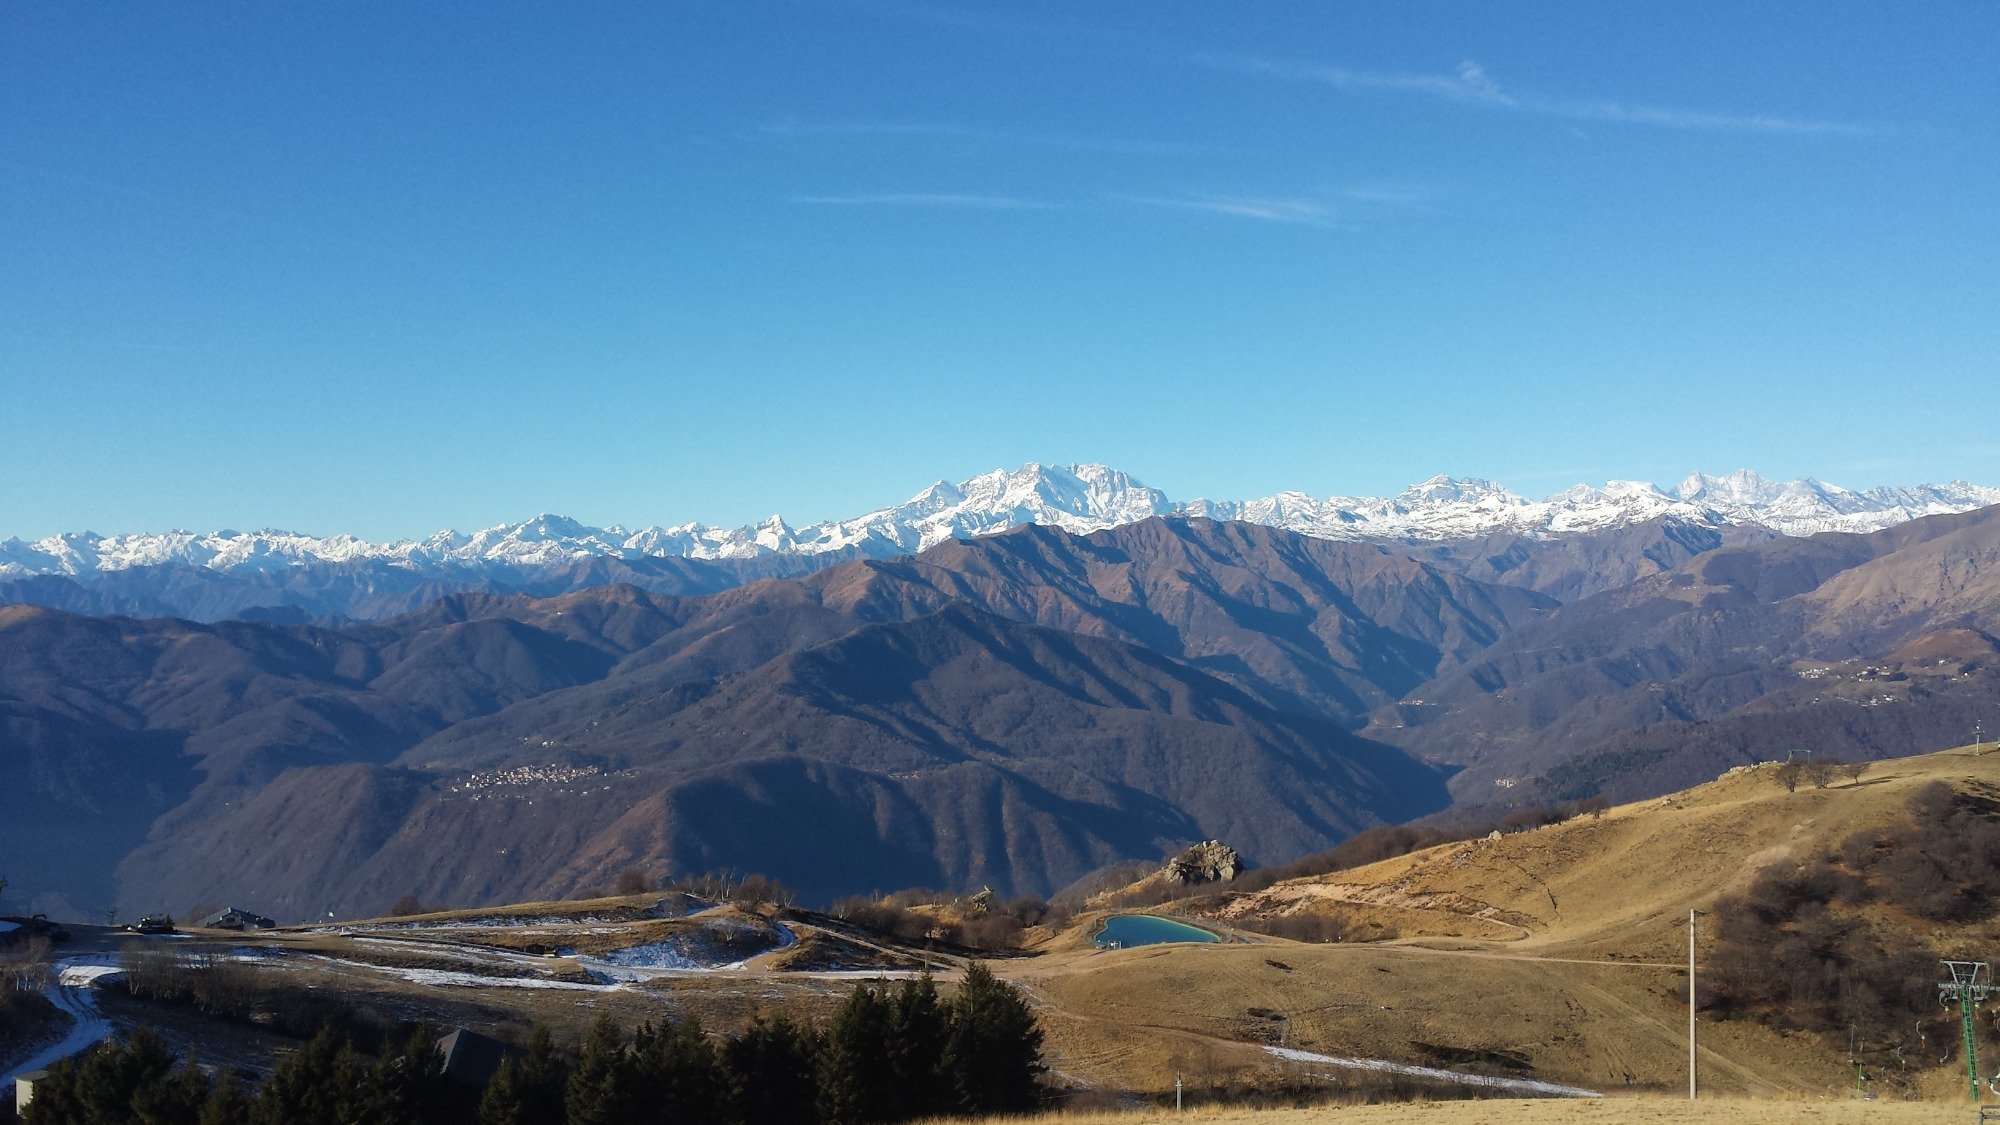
[(1334, 628), (1327, 628), (1735, 630), (1578, 564), (955, 749), (1012, 710)]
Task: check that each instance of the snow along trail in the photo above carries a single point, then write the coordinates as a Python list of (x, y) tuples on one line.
[(681, 954), (75, 978), (1519, 1085), (651, 961)]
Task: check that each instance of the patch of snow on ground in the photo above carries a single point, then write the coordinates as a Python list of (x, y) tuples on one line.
[(72, 995), (687, 951), (460, 952), (1518, 1085), (85, 975), (9, 927), (476, 980), (442, 977)]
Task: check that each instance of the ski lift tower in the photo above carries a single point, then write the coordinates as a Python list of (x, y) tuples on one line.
[(1971, 982)]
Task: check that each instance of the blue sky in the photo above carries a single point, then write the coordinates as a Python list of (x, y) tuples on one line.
[(385, 268)]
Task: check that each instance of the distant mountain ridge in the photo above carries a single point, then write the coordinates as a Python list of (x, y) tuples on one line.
[(1076, 498), (1009, 711)]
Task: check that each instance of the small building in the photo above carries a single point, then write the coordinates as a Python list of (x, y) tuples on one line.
[(24, 1090), (471, 1059), (233, 918)]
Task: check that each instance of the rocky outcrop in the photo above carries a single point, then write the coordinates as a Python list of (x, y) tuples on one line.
[(1210, 861)]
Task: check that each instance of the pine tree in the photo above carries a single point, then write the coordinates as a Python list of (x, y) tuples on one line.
[(115, 1075), (541, 1076), (406, 1085), (351, 1089), (502, 1104), (58, 1097), (321, 1083), (855, 1081), (993, 1051), (133, 1081), (172, 1099), (597, 1092), (674, 1072), (915, 1048), (227, 1104), (768, 1075)]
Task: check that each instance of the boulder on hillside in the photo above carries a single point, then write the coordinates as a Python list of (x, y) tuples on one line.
[(1210, 861)]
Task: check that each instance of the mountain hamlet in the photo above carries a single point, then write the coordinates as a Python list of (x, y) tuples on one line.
[(985, 721)]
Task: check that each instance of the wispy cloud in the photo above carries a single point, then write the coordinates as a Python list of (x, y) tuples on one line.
[(972, 134), (1471, 85), (1355, 207), (1303, 212), (928, 199)]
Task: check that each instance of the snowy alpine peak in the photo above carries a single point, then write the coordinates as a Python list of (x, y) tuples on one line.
[(1077, 498), (1740, 487), (1442, 489)]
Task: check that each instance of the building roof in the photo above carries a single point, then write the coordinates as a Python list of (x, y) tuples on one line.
[(235, 916), (471, 1058)]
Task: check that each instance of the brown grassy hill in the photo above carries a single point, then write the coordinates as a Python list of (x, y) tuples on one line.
[(1541, 1111), (1555, 954), (1620, 883)]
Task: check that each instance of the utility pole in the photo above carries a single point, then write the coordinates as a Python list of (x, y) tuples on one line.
[(1970, 983), (1977, 732), (1177, 1093), (1690, 1005)]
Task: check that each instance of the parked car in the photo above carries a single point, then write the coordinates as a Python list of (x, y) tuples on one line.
[(151, 924)]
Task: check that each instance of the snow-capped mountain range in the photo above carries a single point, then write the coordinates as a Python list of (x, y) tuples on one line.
[(1077, 498)]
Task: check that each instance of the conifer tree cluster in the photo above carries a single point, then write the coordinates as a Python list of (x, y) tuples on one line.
[(889, 1054), (325, 1082)]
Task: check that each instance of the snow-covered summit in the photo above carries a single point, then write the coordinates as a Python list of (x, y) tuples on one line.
[(1077, 498)]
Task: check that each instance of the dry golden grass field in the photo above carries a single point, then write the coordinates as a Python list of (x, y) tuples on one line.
[(1580, 979), (1607, 1111), (1555, 955)]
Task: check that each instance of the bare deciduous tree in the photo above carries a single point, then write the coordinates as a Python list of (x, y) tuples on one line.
[(1788, 775)]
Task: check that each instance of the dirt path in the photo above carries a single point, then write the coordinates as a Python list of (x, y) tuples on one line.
[(74, 994), (1674, 1036)]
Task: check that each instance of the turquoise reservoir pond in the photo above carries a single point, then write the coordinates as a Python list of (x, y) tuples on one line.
[(1128, 930)]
